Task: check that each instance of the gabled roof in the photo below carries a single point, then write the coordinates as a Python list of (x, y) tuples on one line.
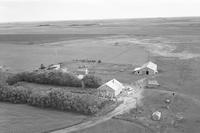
[(149, 65), (114, 84)]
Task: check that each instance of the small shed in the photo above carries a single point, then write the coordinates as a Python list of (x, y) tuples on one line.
[(148, 68), (111, 89), (64, 70), (82, 71), (80, 76)]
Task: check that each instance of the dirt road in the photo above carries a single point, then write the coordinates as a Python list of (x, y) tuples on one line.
[(129, 103)]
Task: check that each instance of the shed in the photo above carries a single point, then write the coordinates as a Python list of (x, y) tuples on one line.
[(80, 76), (148, 68), (82, 71), (110, 89)]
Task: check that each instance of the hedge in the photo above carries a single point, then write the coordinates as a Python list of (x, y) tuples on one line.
[(55, 78), (55, 99)]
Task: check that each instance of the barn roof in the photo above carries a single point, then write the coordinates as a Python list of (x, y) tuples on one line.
[(114, 84), (149, 65)]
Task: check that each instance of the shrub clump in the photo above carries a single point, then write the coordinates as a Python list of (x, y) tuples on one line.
[(92, 81), (14, 94)]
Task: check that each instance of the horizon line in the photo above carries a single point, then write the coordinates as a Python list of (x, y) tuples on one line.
[(103, 19)]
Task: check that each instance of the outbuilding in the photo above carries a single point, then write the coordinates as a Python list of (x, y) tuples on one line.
[(82, 71), (54, 67), (148, 68), (111, 89)]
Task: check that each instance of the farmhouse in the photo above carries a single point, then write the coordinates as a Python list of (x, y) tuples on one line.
[(110, 89), (148, 68)]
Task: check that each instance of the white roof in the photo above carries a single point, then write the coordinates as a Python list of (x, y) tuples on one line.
[(114, 84), (149, 65)]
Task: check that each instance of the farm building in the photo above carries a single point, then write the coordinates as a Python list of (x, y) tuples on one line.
[(80, 76), (110, 89), (148, 68), (82, 71), (54, 67)]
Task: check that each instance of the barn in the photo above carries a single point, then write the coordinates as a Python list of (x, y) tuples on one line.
[(148, 68), (111, 89)]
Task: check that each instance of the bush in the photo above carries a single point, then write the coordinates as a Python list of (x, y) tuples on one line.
[(39, 99), (14, 94), (99, 61), (92, 81)]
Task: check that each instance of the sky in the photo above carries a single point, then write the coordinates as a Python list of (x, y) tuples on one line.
[(45, 10)]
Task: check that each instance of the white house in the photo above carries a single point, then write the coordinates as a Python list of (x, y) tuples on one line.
[(148, 68), (110, 89)]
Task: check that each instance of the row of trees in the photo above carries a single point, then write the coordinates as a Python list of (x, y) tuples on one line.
[(54, 98), (55, 78)]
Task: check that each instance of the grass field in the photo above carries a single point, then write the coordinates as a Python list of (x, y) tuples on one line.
[(154, 100), (17, 118), (172, 43), (113, 126)]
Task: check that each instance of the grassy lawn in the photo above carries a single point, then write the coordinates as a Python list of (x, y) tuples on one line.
[(114, 126), (18, 118), (42, 87), (180, 105)]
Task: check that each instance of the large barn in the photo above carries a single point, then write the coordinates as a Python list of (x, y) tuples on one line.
[(110, 89), (148, 68)]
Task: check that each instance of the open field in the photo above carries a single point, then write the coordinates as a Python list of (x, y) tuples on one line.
[(18, 118), (120, 127), (172, 43), (180, 104)]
